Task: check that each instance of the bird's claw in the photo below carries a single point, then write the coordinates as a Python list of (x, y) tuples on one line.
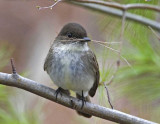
[(83, 100), (58, 91)]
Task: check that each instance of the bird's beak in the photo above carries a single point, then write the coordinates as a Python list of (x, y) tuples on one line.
[(87, 39)]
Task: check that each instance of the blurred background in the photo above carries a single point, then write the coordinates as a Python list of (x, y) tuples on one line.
[(26, 34)]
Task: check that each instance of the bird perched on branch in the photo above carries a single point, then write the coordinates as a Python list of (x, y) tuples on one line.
[(72, 65)]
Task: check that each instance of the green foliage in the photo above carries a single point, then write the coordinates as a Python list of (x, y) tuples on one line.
[(9, 113), (141, 83), (144, 79)]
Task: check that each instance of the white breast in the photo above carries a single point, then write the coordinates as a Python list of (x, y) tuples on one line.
[(68, 70)]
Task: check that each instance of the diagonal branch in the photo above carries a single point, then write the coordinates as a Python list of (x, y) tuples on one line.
[(121, 6), (68, 101), (115, 9), (119, 13)]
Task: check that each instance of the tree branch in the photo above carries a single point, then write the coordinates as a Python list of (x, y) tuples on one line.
[(108, 8), (18, 81), (121, 6), (119, 13)]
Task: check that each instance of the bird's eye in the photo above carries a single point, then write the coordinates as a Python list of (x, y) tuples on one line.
[(69, 35)]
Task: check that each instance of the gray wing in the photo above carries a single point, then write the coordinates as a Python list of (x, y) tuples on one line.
[(48, 59), (92, 63)]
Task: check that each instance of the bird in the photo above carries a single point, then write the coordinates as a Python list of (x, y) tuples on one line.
[(72, 65)]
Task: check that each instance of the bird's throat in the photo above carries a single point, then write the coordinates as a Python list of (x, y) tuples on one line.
[(75, 46)]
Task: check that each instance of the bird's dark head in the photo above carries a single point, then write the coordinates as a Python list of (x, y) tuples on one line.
[(72, 32)]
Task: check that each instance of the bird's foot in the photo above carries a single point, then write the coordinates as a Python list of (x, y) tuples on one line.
[(58, 91), (83, 100)]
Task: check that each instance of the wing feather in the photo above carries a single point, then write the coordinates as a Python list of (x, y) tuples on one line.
[(90, 59), (48, 59)]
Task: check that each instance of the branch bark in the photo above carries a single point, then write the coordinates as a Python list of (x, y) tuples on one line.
[(118, 13), (108, 8), (121, 6), (18, 81)]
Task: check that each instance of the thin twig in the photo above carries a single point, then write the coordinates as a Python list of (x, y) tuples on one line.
[(108, 96), (102, 42), (121, 36), (108, 47), (111, 80), (49, 7), (118, 62), (13, 67), (105, 42)]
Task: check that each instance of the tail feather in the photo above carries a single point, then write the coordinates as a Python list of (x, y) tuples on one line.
[(87, 100)]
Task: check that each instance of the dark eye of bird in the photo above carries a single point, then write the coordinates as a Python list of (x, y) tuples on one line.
[(69, 35)]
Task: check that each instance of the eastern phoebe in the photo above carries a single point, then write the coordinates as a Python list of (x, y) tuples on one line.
[(72, 65)]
